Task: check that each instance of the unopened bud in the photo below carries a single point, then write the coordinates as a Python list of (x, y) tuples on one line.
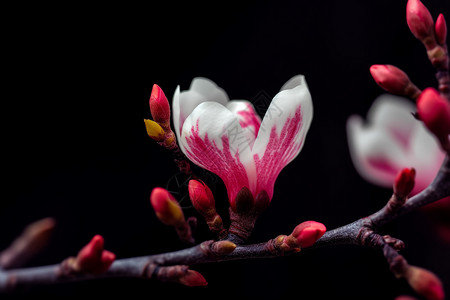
[(434, 111), (159, 106), (390, 78), (307, 233), (243, 202), (33, 239), (404, 182), (92, 258), (193, 278), (440, 28), (154, 130), (202, 198), (425, 283), (166, 207), (223, 247), (420, 22)]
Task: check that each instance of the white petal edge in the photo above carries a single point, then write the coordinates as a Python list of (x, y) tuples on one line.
[(293, 94), (201, 90)]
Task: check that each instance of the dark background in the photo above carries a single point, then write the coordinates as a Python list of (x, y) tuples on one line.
[(76, 93)]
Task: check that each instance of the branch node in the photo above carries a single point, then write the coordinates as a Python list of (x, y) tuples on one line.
[(394, 243)]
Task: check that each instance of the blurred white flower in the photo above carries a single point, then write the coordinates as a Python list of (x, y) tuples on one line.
[(392, 139)]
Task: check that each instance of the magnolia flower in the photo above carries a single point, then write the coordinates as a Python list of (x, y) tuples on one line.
[(229, 139), (392, 140)]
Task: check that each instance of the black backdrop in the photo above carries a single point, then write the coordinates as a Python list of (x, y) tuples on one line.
[(76, 93)]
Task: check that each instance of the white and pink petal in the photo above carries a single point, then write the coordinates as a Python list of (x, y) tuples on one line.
[(394, 115), (213, 139), (425, 155), (282, 132), (248, 118), (376, 155), (200, 90)]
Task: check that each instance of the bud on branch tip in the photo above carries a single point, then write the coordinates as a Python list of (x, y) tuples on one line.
[(390, 78), (420, 22), (307, 233), (202, 198), (425, 283), (92, 258), (404, 182), (441, 30), (166, 207), (159, 106)]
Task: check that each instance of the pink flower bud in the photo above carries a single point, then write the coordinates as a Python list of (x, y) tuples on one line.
[(92, 258), (420, 21), (390, 78), (159, 106), (434, 111), (202, 198), (166, 207), (193, 278), (307, 233), (404, 182), (425, 283), (441, 30)]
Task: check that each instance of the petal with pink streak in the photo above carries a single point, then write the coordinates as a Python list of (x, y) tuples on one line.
[(376, 155), (248, 118), (282, 132), (213, 139), (391, 140)]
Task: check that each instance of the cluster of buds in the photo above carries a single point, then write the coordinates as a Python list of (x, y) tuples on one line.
[(432, 35), (92, 258), (433, 107), (159, 128)]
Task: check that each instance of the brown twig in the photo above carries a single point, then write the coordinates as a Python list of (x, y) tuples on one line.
[(363, 232)]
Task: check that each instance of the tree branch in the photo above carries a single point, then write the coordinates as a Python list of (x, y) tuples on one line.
[(362, 232)]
